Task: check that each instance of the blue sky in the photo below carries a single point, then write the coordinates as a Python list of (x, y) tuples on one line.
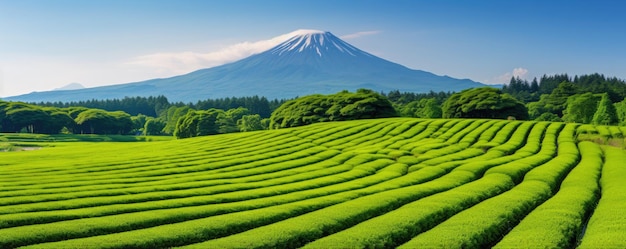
[(49, 44)]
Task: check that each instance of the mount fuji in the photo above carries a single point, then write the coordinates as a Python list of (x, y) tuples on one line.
[(309, 62)]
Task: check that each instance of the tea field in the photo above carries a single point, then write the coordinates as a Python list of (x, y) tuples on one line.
[(383, 183)]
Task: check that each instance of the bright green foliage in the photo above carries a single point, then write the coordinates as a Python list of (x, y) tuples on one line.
[(484, 223), (379, 183), (485, 102), (344, 105), (251, 123), (556, 101), (227, 120), (548, 116), (95, 121), (153, 126), (139, 122), (606, 113), (198, 123), (537, 109), (608, 222), (399, 225), (580, 108), (557, 222), (423, 108), (21, 117), (29, 118), (620, 109), (171, 117)]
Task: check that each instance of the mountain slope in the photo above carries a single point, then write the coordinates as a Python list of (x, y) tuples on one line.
[(71, 86), (310, 62)]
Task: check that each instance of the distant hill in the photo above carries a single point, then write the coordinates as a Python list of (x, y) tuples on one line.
[(71, 86), (309, 62)]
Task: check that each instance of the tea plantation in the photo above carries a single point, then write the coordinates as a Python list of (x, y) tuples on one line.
[(383, 183)]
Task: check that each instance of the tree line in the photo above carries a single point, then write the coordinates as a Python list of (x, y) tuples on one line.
[(591, 98), (29, 118), (132, 115), (588, 99), (154, 106), (22, 117), (187, 120)]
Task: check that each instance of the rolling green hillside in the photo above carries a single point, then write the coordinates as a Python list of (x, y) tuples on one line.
[(408, 183)]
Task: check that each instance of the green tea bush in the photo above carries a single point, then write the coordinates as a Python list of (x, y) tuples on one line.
[(557, 222), (608, 222), (299, 230), (363, 183), (400, 225), (473, 228)]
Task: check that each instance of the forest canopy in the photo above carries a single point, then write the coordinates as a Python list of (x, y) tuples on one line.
[(343, 105), (484, 102), (589, 99)]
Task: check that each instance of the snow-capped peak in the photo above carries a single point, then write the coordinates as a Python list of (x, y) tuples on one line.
[(320, 42), (306, 32)]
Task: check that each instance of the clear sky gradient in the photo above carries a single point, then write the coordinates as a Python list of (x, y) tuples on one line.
[(48, 44)]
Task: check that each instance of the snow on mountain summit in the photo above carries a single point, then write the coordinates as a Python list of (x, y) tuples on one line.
[(306, 31), (320, 42)]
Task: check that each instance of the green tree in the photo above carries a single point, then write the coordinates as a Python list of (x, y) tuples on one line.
[(73, 112), (227, 120), (534, 86), (17, 116), (556, 102), (484, 102), (207, 122), (606, 113), (97, 121), (536, 109), (429, 108), (620, 108), (171, 117), (153, 126), (197, 123), (335, 107), (30, 118), (250, 123), (548, 116), (187, 126), (57, 120), (265, 123), (581, 108), (123, 124), (423, 108), (139, 122)]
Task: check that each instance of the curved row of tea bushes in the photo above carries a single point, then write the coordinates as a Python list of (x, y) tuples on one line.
[(373, 229), (164, 168), (421, 214), (22, 235), (496, 137), (438, 174), (485, 223), (608, 222), (398, 226), (456, 157), (315, 178), (198, 230), (365, 183), (557, 222)]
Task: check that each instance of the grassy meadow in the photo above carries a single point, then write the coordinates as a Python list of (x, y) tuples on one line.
[(381, 183)]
